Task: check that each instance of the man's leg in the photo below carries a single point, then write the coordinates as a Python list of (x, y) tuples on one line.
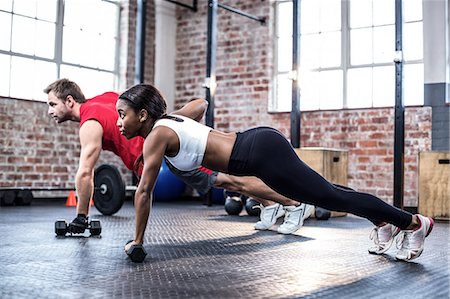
[(273, 205)]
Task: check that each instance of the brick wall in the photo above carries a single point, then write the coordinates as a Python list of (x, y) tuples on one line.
[(244, 63), (244, 71), (34, 151), (368, 135), (37, 152)]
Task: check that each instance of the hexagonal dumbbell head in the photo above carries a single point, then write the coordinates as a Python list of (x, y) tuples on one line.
[(136, 253), (60, 227), (95, 227)]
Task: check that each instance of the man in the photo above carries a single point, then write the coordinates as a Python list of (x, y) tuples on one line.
[(98, 130)]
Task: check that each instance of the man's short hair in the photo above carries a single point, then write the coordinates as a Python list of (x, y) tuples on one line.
[(63, 88)]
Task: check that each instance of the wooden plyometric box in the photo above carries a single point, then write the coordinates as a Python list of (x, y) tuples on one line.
[(332, 164), (434, 184)]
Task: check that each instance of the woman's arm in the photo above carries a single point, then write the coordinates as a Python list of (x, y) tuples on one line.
[(195, 109), (154, 148)]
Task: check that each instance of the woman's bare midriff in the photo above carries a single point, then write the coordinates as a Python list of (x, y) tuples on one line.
[(218, 150)]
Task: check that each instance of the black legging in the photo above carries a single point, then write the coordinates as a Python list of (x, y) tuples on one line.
[(265, 153)]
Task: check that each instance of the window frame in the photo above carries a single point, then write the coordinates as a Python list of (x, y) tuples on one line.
[(345, 61), (58, 48)]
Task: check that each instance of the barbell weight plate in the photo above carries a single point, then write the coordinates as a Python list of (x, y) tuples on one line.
[(8, 198), (109, 193), (24, 198)]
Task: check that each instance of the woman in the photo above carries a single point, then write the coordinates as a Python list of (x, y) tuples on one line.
[(262, 152)]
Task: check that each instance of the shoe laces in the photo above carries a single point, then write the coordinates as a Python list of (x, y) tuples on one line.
[(288, 216), (407, 240)]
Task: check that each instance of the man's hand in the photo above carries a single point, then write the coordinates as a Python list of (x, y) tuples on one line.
[(78, 225)]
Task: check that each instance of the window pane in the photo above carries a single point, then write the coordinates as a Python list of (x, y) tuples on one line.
[(412, 10), (309, 84), (361, 46), (6, 5), (107, 21), (331, 93), (284, 54), (71, 44), (91, 82), (330, 49), (74, 47), (105, 51), (284, 93), (45, 37), (73, 12), (47, 10), (37, 74), (360, 13), (384, 12), (383, 44), (359, 88), (310, 15), (284, 18), (25, 7), (23, 35), (85, 56), (413, 84), (310, 51), (22, 70), (44, 73), (5, 31), (413, 41), (4, 74), (384, 86), (82, 14), (330, 15)]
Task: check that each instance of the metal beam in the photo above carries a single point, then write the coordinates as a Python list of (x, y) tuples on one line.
[(262, 20), (399, 113), (295, 110), (141, 19), (193, 7), (210, 83)]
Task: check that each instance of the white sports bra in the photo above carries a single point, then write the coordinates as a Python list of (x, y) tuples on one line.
[(192, 136)]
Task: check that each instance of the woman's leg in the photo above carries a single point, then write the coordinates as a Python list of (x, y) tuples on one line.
[(276, 163)]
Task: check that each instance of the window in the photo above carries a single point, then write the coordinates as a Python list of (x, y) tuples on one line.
[(346, 54), (40, 44)]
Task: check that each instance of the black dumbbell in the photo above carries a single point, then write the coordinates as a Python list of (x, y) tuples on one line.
[(62, 228), (136, 253), (322, 214), (252, 207)]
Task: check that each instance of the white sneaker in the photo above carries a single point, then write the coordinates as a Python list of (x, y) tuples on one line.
[(294, 218), (383, 237), (269, 216), (410, 242)]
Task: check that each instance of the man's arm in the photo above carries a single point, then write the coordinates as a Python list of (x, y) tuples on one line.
[(195, 109), (91, 134)]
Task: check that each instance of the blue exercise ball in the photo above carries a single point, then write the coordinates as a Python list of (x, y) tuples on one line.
[(168, 186), (218, 196)]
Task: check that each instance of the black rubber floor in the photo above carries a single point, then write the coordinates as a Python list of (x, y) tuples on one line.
[(196, 251)]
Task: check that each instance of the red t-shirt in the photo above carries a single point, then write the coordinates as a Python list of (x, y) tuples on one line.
[(102, 108)]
